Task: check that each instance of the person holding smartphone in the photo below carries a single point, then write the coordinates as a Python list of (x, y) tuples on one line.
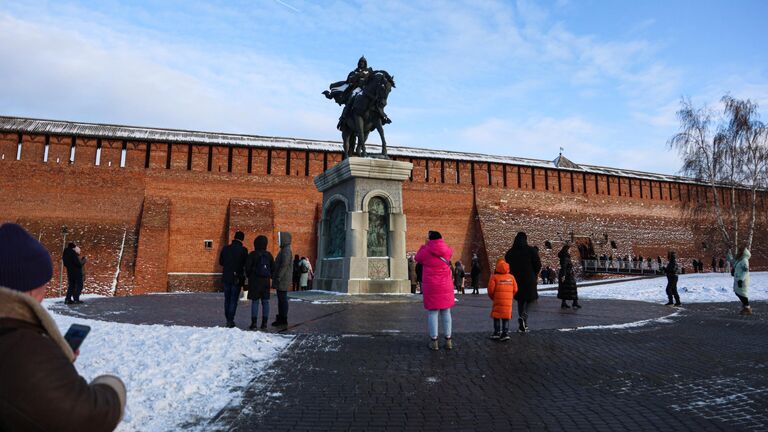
[(40, 388)]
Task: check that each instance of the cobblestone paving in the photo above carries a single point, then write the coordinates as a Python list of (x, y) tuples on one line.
[(470, 313), (366, 367), (703, 371)]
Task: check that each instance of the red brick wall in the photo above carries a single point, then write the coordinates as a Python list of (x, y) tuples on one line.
[(8, 143), (166, 214), (151, 270), (111, 151), (33, 147)]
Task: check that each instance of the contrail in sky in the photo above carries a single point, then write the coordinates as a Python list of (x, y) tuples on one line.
[(288, 6)]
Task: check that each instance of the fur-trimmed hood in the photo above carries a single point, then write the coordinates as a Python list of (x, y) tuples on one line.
[(19, 306)]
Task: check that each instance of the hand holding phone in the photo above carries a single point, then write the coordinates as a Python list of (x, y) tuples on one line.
[(76, 334)]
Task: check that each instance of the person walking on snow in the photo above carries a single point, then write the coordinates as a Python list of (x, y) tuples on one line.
[(259, 267), (475, 274), (282, 277), (741, 279), (525, 265), (501, 289), (671, 271), (566, 280), (437, 286), (74, 265), (232, 259)]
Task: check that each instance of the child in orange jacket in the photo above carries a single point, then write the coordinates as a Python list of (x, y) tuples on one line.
[(501, 289)]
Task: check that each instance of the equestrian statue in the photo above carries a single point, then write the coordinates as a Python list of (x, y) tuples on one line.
[(364, 95)]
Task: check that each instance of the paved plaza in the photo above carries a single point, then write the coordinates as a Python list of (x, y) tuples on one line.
[(366, 366)]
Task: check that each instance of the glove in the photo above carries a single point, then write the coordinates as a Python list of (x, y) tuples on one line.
[(117, 385)]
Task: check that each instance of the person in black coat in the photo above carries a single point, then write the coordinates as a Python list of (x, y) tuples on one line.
[(566, 280), (419, 269), (296, 272), (671, 271), (525, 265), (232, 259), (259, 267), (474, 273), (74, 266)]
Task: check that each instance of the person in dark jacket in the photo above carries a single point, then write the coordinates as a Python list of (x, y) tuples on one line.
[(232, 259), (282, 277), (525, 265), (458, 277), (412, 274), (40, 389), (74, 265), (566, 280), (296, 272), (258, 267), (474, 274), (419, 268), (671, 271)]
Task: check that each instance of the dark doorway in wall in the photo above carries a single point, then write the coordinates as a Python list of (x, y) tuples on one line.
[(585, 247)]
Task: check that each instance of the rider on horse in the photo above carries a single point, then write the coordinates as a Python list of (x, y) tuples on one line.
[(355, 83)]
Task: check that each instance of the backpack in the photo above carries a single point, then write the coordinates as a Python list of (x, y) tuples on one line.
[(303, 267), (263, 268)]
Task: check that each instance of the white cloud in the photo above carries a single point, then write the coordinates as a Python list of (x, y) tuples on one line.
[(112, 77), (469, 74), (536, 137)]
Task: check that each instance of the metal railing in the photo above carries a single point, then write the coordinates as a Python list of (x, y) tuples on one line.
[(622, 267)]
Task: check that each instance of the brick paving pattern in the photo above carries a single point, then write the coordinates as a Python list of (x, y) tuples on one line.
[(703, 371), (367, 367)]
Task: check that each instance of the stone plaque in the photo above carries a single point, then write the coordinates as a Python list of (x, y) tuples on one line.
[(378, 268)]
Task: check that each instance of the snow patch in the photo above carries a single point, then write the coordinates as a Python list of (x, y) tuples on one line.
[(663, 320), (175, 375), (693, 288)]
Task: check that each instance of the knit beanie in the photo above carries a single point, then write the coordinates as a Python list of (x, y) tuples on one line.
[(434, 235), (24, 263)]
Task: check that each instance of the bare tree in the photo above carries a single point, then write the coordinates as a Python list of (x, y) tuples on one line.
[(728, 154)]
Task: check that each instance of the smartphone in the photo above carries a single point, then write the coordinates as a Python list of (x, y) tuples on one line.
[(76, 334)]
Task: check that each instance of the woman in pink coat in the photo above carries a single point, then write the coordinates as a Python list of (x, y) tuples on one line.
[(437, 286)]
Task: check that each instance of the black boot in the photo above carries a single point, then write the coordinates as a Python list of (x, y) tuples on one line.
[(278, 321), (254, 324), (576, 304), (564, 305), (520, 325), (264, 323), (669, 302)]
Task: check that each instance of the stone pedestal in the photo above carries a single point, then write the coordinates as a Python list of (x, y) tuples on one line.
[(361, 244)]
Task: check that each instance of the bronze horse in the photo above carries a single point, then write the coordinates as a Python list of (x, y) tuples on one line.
[(366, 114)]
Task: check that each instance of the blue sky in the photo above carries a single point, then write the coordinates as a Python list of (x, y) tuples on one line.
[(602, 79)]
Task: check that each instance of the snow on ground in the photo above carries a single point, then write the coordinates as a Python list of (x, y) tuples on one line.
[(693, 288), (634, 324), (176, 376)]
